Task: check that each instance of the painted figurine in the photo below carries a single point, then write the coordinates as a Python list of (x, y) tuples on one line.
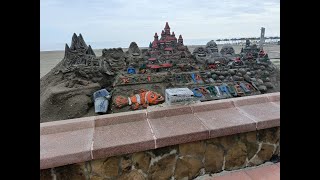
[(143, 98)]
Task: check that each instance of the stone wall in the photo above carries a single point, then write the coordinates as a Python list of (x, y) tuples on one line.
[(183, 161)]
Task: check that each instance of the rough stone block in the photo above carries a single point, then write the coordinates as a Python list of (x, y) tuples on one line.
[(187, 167), (213, 158), (236, 156), (195, 149), (271, 135), (263, 155), (163, 169), (141, 160), (133, 175), (106, 167), (126, 163), (72, 172)]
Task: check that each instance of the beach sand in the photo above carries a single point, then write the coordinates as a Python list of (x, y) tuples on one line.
[(49, 59)]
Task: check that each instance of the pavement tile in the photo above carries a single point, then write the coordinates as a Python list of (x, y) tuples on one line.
[(269, 172)]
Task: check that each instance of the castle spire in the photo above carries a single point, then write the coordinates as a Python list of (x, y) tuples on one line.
[(167, 29), (167, 26), (155, 37), (180, 40)]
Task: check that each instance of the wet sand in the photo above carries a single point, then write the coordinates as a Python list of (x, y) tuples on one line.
[(49, 59)]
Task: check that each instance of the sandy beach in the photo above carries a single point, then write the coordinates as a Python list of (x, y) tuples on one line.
[(48, 59)]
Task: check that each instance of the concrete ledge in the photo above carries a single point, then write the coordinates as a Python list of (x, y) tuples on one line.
[(82, 139)]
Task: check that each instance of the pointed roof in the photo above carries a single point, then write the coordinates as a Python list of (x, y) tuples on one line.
[(74, 35), (66, 51), (162, 32), (82, 42), (180, 37), (156, 35), (173, 33), (167, 26), (66, 47), (90, 51), (74, 42)]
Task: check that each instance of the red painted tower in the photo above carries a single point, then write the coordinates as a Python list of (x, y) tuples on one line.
[(167, 40), (167, 29)]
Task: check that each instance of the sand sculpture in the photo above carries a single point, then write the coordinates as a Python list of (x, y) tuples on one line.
[(67, 90)]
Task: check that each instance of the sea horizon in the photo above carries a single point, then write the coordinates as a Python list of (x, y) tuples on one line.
[(142, 44)]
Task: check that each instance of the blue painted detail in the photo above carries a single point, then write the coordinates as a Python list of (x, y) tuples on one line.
[(196, 92), (193, 76), (224, 89), (101, 101), (131, 70), (245, 89)]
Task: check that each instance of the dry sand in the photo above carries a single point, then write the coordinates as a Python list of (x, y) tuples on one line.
[(49, 59)]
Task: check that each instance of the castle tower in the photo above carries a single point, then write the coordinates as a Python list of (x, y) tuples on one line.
[(162, 34), (167, 29), (156, 37), (180, 40)]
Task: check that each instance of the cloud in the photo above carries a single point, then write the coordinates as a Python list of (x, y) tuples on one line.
[(125, 20)]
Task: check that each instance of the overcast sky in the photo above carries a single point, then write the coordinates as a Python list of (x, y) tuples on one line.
[(116, 23)]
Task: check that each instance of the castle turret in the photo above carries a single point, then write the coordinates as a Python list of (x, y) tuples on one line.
[(180, 40), (162, 35), (174, 37), (156, 37)]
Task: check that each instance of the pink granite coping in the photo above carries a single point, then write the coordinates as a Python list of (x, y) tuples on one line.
[(66, 125), (212, 105), (266, 115), (65, 148), (82, 139), (168, 111), (118, 118), (178, 129), (223, 122), (122, 138)]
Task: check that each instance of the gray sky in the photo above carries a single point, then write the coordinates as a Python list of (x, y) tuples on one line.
[(116, 23)]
